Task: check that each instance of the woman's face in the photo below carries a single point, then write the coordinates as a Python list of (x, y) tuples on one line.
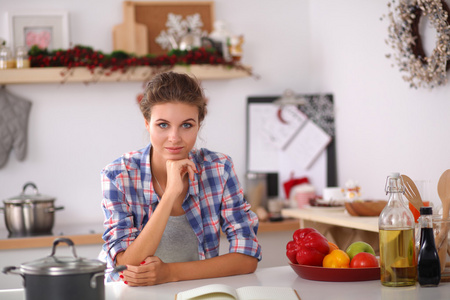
[(173, 129)]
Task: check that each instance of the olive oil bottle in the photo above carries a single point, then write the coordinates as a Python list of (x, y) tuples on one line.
[(397, 239)]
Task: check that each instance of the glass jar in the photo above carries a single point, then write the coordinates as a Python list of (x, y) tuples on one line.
[(397, 240), (256, 187), (6, 58), (22, 60)]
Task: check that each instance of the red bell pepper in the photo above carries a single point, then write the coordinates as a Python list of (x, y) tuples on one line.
[(308, 247)]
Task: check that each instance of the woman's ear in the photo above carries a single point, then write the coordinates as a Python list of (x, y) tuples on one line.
[(147, 125)]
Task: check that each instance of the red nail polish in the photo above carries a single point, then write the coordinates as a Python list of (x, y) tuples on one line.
[(143, 262), (126, 282), (121, 276)]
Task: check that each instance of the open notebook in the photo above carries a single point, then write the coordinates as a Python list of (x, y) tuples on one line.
[(225, 292)]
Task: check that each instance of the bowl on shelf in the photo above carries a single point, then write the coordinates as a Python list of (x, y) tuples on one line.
[(365, 208)]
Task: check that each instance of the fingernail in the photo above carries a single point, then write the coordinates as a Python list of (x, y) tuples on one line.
[(143, 262), (126, 282), (121, 276)]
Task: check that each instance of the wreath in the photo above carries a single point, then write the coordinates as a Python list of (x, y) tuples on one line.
[(424, 71)]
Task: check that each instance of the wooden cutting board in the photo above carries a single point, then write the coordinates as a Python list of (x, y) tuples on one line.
[(130, 36)]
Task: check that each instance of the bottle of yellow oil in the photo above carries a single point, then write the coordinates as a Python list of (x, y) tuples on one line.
[(397, 239)]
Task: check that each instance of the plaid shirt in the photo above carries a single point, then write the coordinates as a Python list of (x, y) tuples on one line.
[(214, 200)]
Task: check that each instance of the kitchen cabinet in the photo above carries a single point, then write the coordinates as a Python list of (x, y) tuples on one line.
[(81, 74)]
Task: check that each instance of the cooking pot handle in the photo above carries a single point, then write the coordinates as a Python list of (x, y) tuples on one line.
[(67, 241), (12, 270), (53, 209), (115, 270), (27, 185)]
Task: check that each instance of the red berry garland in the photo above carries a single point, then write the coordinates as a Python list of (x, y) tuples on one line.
[(82, 56)]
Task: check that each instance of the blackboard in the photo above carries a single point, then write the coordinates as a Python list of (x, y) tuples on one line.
[(263, 158)]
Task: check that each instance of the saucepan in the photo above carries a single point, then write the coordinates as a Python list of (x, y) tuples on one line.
[(29, 213), (68, 278)]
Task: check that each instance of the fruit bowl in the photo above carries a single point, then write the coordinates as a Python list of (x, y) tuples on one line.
[(366, 208), (336, 274)]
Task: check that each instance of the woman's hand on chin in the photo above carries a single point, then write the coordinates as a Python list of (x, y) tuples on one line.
[(176, 170)]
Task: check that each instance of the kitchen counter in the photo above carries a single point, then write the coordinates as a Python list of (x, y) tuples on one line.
[(276, 276), (92, 234), (333, 217)]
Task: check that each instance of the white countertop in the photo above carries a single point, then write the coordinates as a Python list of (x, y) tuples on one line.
[(276, 276)]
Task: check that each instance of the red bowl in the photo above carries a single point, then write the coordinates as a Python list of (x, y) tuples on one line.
[(336, 274)]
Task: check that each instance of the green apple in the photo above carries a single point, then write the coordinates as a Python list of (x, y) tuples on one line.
[(358, 247)]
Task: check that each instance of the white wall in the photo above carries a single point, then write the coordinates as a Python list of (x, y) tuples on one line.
[(382, 124)]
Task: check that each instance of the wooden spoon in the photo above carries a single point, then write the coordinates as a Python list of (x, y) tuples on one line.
[(442, 238), (412, 192)]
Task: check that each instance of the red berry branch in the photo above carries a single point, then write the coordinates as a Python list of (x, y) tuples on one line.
[(82, 56)]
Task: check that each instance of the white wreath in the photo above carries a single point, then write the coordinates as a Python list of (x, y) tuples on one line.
[(428, 71)]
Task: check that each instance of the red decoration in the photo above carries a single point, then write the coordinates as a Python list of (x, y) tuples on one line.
[(81, 56)]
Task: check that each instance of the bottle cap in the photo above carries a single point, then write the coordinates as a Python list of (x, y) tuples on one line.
[(426, 210), (395, 175)]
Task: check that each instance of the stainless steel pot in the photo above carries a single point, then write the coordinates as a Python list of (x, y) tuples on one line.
[(29, 214), (68, 278)]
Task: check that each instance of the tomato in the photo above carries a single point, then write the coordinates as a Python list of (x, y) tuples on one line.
[(364, 260)]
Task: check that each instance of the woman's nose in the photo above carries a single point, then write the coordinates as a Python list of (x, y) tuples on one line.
[(174, 136)]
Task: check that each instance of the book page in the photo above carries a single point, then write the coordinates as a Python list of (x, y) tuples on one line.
[(211, 291), (266, 293)]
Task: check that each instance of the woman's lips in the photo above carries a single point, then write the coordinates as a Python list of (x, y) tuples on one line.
[(174, 150)]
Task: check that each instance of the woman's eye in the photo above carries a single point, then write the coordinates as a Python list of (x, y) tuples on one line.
[(163, 125), (187, 125)]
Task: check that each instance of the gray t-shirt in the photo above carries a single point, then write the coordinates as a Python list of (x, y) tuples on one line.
[(179, 242)]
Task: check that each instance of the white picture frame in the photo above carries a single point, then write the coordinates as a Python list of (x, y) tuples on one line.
[(46, 29)]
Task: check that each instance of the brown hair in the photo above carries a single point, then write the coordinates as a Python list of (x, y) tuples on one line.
[(173, 87)]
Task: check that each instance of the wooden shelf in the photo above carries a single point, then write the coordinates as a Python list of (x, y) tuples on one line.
[(81, 74), (47, 241)]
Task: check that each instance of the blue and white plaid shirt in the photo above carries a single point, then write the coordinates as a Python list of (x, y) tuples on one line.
[(215, 200)]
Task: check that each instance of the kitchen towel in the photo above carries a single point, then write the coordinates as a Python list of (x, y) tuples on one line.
[(14, 112)]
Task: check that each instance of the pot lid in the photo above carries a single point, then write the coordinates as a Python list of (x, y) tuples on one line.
[(29, 198), (62, 265)]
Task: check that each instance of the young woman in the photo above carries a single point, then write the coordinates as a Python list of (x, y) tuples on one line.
[(165, 205)]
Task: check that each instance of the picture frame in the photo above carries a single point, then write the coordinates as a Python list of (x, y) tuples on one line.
[(46, 29), (153, 15)]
